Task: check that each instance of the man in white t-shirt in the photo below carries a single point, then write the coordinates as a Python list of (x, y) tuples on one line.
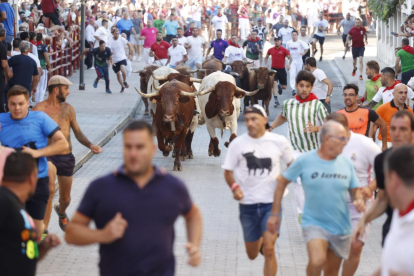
[(321, 26), (361, 150), (182, 40), (195, 12), (285, 33), (219, 22), (177, 55), (102, 33), (251, 166), (322, 87), (297, 49), (312, 11), (117, 45), (195, 44)]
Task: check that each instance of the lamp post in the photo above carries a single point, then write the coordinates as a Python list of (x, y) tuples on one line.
[(82, 45)]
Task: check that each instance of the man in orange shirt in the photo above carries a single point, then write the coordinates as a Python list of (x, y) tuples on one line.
[(386, 111), (359, 118)]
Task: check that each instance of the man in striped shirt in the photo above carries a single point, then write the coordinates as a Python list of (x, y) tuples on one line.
[(305, 115)]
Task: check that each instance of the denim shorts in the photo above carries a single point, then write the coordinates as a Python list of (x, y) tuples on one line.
[(253, 218), (192, 63)]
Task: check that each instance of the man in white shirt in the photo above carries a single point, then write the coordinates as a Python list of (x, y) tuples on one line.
[(177, 55), (321, 26), (322, 87), (361, 150), (89, 40), (250, 168), (182, 40), (117, 45), (285, 33), (297, 49), (312, 11), (195, 44), (398, 253), (104, 17), (195, 12), (219, 22), (303, 36), (233, 52), (101, 33)]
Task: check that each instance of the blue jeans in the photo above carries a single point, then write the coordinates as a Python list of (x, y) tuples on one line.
[(102, 72), (9, 38)]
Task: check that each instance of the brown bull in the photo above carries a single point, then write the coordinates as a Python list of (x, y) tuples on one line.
[(209, 66), (240, 67), (185, 70), (145, 75), (262, 78), (175, 108), (176, 76)]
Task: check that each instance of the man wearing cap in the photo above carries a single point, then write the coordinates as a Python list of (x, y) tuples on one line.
[(62, 165), (251, 167), (261, 30)]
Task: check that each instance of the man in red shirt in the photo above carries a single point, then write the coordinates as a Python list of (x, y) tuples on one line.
[(159, 50), (357, 34), (49, 10), (279, 55)]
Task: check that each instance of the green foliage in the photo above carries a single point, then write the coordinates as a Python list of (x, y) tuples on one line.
[(385, 9)]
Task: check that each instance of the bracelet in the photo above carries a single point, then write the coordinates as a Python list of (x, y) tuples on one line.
[(275, 214), (234, 186)]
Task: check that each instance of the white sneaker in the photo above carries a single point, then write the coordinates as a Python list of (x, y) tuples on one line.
[(140, 59), (134, 58), (92, 68)]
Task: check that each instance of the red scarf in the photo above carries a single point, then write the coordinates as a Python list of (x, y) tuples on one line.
[(232, 44), (392, 86), (408, 49), (311, 97), (251, 39), (409, 209), (376, 77)]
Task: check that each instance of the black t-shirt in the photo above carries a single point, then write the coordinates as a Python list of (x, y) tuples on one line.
[(24, 68), (379, 173), (18, 237), (101, 57), (3, 55)]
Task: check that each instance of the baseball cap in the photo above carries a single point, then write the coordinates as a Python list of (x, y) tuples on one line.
[(55, 80)]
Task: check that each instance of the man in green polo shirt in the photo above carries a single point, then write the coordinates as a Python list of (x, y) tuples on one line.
[(373, 82), (406, 56)]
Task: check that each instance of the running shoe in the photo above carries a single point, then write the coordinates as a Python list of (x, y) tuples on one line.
[(360, 77), (276, 104), (63, 219), (320, 59), (280, 90), (91, 68), (44, 235), (126, 85), (122, 89), (343, 57), (140, 58), (95, 84), (108, 91), (293, 92), (354, 71)]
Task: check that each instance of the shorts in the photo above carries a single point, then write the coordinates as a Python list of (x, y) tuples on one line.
[(117, 66), (321, 39), (65, 164), (357, 52), (136, 41), (253, 218), (344, 36), (340, 245), (192, 62), (280, 76), (406, 76), (54, 18), (36, 206), (197, 24)]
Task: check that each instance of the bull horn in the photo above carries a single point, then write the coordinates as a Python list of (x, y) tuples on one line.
[(254, 69), (272, 71), (201, 93), (158, 87), (247, 62), (192, 71), (159, 78), (139, 71), (247, 93), (147, 95), (195, 80), (188, 94)]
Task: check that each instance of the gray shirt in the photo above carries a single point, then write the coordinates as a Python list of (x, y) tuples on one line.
[(347, 25)]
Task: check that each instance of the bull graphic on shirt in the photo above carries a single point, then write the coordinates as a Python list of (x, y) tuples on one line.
[(254, 163)]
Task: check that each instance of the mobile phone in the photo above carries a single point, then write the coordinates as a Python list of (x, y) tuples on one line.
[(394, 34)]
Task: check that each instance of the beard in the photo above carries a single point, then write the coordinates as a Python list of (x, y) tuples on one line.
[(159, 39), (60, 97)]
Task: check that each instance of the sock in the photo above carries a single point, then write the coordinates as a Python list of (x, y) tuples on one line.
[(275, 98)]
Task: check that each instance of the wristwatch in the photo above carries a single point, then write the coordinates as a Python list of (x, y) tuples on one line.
[(329, 95)]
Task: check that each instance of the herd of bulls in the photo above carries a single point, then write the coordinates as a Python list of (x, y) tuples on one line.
[(178, 103)]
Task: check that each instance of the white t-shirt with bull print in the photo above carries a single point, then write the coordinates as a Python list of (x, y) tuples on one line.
[(255, 163)]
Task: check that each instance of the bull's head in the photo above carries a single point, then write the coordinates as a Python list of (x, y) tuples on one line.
[(262, 75), (220, 101), (185, 70), (176, 76), (146, 72), (239, 66), (169, 96)]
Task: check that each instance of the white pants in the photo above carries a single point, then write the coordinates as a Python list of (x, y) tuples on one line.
[(295, 67), (41, 87), (128, 67), (244, 27), (298, 189), (255, 64), (161, 62), (147, 58)]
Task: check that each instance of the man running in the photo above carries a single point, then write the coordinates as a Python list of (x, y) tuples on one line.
[(253, 185), (219, 22), (279, 55), (327, 177), (103, 58), (177, 55), (261, 30), (362, 152), (196, 49), (62, 165), (305, 115), (307, 39), (254, 49), (297, 49), (219, 46), (373, 82), (347, 24), (148, 34), (357, 34), (117, 45), (159, 50), (321, 26), (285, 33)]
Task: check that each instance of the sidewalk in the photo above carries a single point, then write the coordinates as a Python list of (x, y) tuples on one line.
[(101, 115)]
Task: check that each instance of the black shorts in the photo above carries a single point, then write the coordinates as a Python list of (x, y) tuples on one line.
[(36, 206), (281, 76), (344, 38), (321, 39), (54, 18), (357, 52), (65, 164), (117, 66)]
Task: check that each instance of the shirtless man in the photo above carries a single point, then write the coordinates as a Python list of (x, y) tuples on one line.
[(62, 165)]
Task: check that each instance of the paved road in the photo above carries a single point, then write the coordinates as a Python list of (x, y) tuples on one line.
[(222, 244)]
